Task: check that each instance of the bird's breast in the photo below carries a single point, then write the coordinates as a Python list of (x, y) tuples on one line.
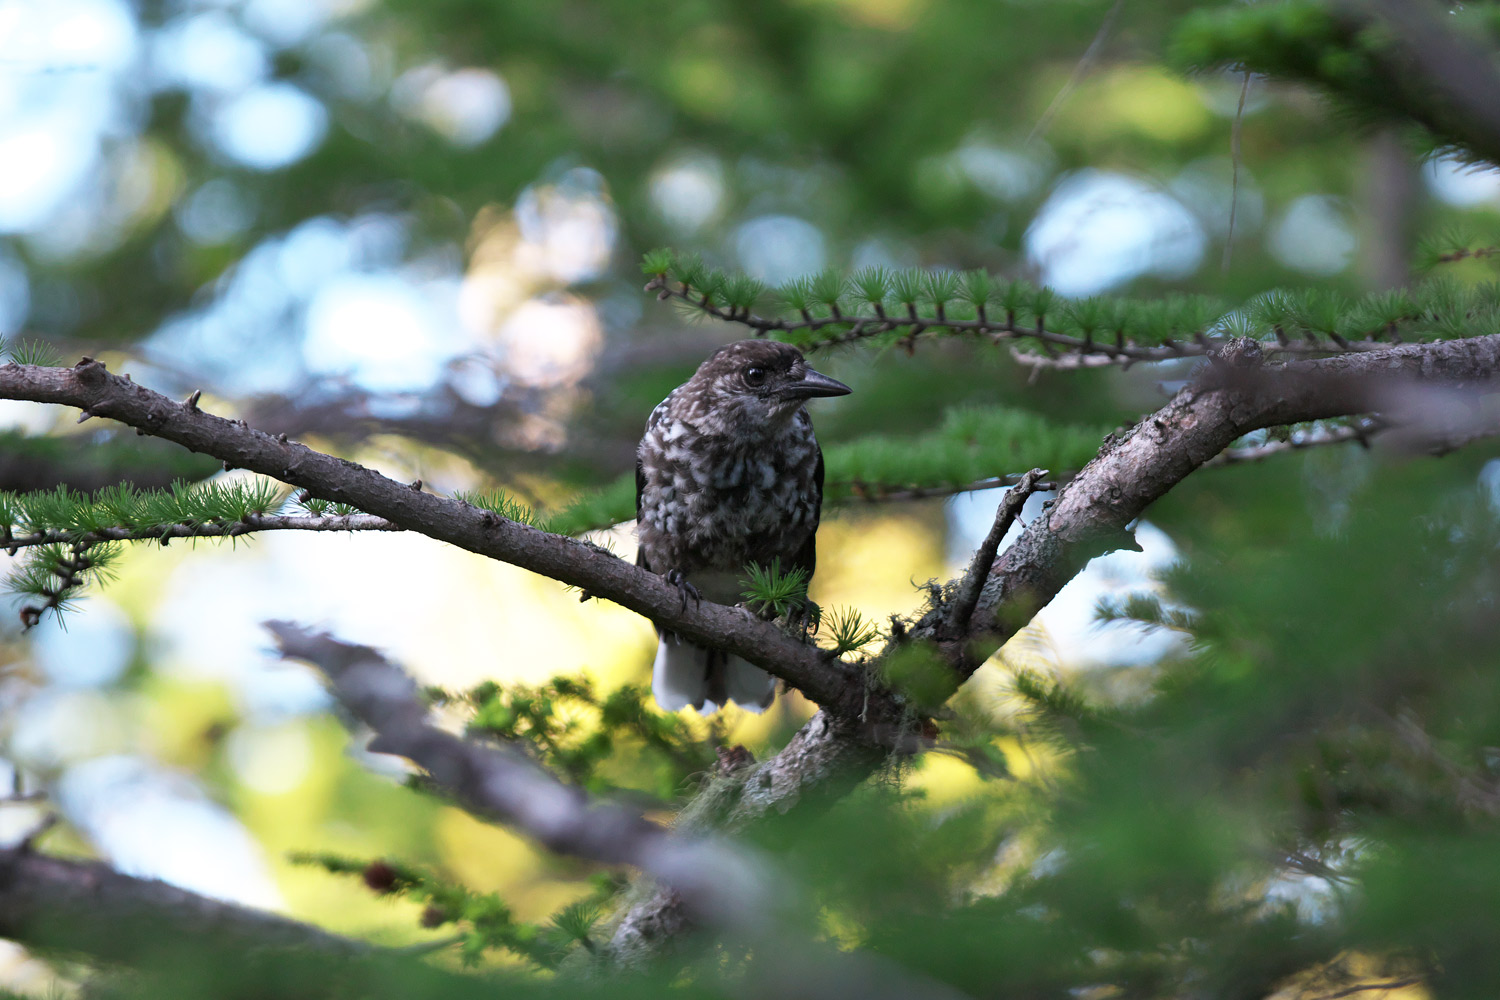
[(710, 502)]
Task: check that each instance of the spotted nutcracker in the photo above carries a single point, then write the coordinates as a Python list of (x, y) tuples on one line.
[(729, 473)]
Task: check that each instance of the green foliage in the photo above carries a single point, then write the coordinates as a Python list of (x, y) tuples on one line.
[(62, 533), (837, 310), (1452, 246), (1361, 61), (972, 444), (502, 503), (849, 630), (657, 262), (485, 921), (53, 575), (602, 742), (772, 591), (70, 515), (594, 509), (1145, 610), (871, 284), (31, 352), (920, 675)]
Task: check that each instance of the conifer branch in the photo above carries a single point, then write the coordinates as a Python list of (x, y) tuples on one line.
[(1206, 347), (1196, 342), (1360, 431), (231, 529)]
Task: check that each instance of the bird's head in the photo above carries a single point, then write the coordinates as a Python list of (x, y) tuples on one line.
[(758, 382)]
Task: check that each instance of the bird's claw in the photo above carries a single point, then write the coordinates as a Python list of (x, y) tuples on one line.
[(678, 579), (803, 617)]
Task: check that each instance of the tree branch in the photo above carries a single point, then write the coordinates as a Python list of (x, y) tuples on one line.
[(1195, 343), (713, 881), (90, 387), (227, 529), (1090, 514), (703, 878), (89, 908)]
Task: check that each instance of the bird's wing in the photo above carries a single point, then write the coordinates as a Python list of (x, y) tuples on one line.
[(807, 556), (640, 486)]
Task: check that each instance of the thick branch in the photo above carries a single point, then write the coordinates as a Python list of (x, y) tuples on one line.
[(90, 387), (1091, 513), (86, 907)]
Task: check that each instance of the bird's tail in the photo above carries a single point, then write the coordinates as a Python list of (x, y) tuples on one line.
[(707, 679)]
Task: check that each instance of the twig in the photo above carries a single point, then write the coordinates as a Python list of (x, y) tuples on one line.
[(218, 529), (1360, 431), (1080, 70), (892, 492), (1234, 173), (967, 598)]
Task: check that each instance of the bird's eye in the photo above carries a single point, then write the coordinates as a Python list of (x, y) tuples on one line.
[(755, 376)]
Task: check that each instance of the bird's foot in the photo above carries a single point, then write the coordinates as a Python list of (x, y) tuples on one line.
[(803, 617), (678, 579)]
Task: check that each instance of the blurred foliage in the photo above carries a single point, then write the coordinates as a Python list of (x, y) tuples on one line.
[(486, 922), (603, 742)]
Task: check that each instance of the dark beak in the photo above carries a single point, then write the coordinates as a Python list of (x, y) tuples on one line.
[(814, 384)]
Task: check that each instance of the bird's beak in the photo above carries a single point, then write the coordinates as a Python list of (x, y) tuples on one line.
[(814, 384)]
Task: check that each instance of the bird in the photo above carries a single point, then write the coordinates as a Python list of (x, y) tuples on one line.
[(728, 473)]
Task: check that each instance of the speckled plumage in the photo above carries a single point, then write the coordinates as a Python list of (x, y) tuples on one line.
[(729, 473)]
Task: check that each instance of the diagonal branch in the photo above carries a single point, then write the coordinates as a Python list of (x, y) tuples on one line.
[(705, 879), (848, 329), (92, 388), (1092, 512), (714, 882)]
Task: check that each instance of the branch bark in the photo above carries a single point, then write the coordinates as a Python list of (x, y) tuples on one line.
[(86, 907)]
